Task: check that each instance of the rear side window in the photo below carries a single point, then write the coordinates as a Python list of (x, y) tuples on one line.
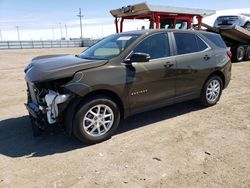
[(202, 46), (216, 39), (188, 43), (157, 46)]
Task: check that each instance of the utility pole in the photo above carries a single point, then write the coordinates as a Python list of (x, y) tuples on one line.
[(1, 38), (60, 29), (66, 30), (80, 16), (18, 35), (53, 34), (102, 30)]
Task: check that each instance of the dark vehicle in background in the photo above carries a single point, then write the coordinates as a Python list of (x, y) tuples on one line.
[(125, 74)]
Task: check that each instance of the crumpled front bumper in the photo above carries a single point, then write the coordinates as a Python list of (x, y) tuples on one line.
[(33, 110), (36, 114)]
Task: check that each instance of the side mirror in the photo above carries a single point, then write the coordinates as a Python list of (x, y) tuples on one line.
[(138, 57)]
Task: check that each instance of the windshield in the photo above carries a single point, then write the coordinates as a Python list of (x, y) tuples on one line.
[(109, 47)]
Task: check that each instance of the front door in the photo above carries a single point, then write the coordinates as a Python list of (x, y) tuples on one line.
[(152, 83)]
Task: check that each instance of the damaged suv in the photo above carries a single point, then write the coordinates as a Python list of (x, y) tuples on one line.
[(122, 75)]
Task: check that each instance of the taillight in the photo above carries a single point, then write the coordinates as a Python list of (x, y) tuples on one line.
[(229, 54)]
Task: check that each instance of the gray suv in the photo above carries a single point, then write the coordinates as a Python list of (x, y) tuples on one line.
[(125, 74)]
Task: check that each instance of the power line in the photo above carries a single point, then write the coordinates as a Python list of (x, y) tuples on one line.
[(80, 16)]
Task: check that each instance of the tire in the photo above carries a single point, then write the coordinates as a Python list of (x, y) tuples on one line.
[(239, 53), (247, 26), (247, 54), (206, 99), (90, 128)]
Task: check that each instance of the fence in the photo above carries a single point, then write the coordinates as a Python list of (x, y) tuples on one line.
[(46, 44)]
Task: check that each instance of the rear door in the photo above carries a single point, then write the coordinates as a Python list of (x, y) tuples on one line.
[(194, 57), (152, 83)]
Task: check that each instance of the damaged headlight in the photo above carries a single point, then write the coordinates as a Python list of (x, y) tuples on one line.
[(52, 100)]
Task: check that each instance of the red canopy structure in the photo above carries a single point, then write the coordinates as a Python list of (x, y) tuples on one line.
[(160, 16)]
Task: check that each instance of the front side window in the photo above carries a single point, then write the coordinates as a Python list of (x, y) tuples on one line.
[(188, 43), (109, 47), (157, 46)]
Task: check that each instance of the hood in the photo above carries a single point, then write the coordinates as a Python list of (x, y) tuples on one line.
[(51, 67)]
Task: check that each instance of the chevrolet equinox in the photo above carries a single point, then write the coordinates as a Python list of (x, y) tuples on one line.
[(125, 74)]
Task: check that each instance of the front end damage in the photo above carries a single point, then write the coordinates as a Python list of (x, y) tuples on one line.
[(54, 82), (46, 103)]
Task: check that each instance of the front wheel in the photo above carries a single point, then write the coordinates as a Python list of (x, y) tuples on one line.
[(211, 91), (96, 120)]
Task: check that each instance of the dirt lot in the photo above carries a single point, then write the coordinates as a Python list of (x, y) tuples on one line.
[(183, 145)]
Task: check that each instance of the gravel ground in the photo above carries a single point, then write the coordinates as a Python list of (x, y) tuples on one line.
[(183, 145)]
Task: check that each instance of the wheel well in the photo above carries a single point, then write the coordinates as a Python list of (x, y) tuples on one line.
[(217, 73), (109, 94)]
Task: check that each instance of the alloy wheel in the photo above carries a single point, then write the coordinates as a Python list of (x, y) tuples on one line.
[(213, 91), (98, 120)]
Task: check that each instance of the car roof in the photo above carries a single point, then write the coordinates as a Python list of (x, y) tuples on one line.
[(151, 31)]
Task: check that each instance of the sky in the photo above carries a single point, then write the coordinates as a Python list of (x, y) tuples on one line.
[(41, 19)]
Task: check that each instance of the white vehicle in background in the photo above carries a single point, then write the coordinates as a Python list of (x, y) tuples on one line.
[(226, 21)]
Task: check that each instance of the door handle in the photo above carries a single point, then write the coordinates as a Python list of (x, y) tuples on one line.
[(168, 65), (206, 57)]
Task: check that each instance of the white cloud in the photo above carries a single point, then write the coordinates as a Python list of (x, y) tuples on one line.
[(96, 21), (92, 28)]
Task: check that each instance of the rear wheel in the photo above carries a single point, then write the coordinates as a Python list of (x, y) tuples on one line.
[(211, 91), (239, 53), (96, 120), (247, 54)]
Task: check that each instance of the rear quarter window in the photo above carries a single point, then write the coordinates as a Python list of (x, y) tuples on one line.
[(202, 46), (216, 39)]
